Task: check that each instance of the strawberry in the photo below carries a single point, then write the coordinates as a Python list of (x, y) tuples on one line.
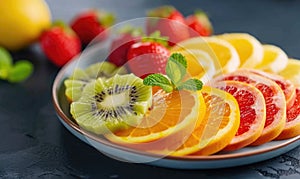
[(89, 24), (148, 56), (170, 23), (122, 43), (199, 24), (60, 44)]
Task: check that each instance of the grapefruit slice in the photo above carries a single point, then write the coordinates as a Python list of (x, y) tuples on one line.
[(252, 112), (220, 123), (274, 98), (292, 126), (287, 86), (170, 113)]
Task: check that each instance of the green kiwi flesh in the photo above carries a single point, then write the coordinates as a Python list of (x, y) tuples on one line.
[(77, 81), (112, 104)]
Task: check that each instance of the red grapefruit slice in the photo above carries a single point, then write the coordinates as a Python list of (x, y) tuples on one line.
[(274, 98), (292, 126), (287, 86), (252, 112)]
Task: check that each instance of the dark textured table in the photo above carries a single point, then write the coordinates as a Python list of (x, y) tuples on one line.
[(34, 144)]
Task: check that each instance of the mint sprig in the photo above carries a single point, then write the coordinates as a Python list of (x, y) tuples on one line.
[(13, 73), (175, 74)]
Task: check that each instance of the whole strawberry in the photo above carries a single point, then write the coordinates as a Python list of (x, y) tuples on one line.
[(119, 48), (148, 56), (89, 24), (60, 44), (170, 22), (200, 24)]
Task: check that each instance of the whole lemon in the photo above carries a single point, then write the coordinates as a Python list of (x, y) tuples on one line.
[(22, 22)]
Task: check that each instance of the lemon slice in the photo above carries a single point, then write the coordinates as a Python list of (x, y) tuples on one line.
[(200, 64), (248, 47), (223, 54), (274, 59), (291, 71)]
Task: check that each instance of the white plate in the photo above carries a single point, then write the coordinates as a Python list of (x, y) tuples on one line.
[(243, 156)]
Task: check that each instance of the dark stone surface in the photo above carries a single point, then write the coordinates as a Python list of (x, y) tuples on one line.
[(35, 145)]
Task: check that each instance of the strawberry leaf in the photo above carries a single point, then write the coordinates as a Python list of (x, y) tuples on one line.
[(191, 84), (176, 68), (156, 37), (158, 80)]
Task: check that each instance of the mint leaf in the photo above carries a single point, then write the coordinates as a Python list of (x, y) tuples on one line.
[(5, 63), (20, 71), (176, 68), (158, 80), (191, 84)]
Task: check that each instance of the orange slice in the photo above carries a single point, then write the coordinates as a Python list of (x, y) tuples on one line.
[(292, 126), (219, 126), (171, 113), (252, 112), (274, 98)]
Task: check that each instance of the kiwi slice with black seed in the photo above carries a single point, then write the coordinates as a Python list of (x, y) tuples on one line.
[(77, 81), (112, 104)]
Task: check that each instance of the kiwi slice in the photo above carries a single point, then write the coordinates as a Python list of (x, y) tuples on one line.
[(112, 104), (75, 83)]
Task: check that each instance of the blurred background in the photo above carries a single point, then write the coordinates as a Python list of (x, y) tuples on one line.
[(270, 21)]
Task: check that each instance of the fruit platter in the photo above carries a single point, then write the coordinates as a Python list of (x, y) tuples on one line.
[(184, 98)]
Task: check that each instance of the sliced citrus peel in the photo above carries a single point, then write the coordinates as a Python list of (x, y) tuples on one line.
[(219, 126), (248, 47), (252, 112), (292, 126), (275, 102)]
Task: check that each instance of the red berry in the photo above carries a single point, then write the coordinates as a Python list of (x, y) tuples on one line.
[(60, 44), (146, 58), (171, 23), (199, 24), (89, 24), (121, 44)]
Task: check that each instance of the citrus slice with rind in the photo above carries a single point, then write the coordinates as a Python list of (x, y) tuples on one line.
[(291, 71), (287, 86), (199, 64), (219, 126), (224, 55), (170, 113), (252, 112), (248, 47), (274, 59), (274, 98), (292, 126)]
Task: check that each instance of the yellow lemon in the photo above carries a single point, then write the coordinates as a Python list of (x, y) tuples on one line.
[(274, 59), (291, 71), (199, 64), (248, 47), (22, 22), (223, 54)]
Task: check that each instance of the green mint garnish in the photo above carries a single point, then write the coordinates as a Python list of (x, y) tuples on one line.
[(176, 71), (13, 73), (159, 80)]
